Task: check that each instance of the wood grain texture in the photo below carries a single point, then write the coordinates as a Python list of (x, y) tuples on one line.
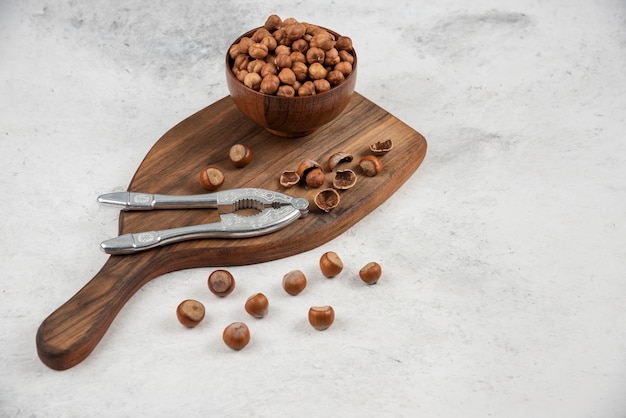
[(173, 165)]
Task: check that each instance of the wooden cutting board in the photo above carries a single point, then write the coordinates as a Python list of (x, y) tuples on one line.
[(173, 165)]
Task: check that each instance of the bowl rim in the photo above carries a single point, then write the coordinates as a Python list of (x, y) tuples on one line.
[(230, 74)]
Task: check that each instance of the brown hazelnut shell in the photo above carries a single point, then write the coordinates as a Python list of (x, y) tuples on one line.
[(344, 179), (289, 178), (370, 273), (257, 305), (339, 157), (381, 147), (294, 282), (371, 165), (211, 178), (240, 155), (327, 199), (221, 283), (330, 264), (321, 317), (190, 313), (236, 335)]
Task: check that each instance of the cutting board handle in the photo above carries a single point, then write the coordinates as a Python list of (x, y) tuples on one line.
[(70, 333)]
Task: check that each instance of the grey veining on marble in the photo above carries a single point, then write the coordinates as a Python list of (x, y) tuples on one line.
[(504, 256)]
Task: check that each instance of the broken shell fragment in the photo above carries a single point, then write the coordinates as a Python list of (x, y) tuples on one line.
[(289, 178), (327, 199), (344, 179), (381, 147), (338, 157)]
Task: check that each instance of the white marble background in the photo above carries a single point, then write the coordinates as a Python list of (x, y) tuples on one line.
[(504, 255)]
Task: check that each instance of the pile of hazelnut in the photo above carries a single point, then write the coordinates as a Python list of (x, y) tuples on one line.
[(291, 58), (236, 335)]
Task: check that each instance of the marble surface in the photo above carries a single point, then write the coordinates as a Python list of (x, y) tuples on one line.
[(504, 255)]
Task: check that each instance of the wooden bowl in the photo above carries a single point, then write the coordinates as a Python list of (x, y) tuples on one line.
[(290, 117)]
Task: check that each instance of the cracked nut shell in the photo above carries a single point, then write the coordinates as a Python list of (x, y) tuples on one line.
[(327, 199), (338, 157), (344, 179), (381, 147), (289, 178)]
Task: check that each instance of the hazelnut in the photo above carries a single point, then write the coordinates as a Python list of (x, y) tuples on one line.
[(335, 77), (241, 62), (344, 179), (305, 166), (317, 71), (306, 90), (287, 76), (282, 49), (346, 56), (270, 43), (289, 178), (258, 50), (211, 178), (294, 282), (295, 31), (286, 91), (327, 199), (253, 81), (255, 66), (241, 74), (297, 57), (270, 84), (371, 165), (330, 264), (344, 43), (221, 283), (321, 85), (344, 67), (269, 69), (331, 57), (236, 335), (240, 155), (315, 178), (257, 305), (380, 148), (233, 51), (273, 22), (370, 273), (321, 317), (244, 44), (300, 45), (315, 55), (283, 61), (323, 40), (260, 33), (301, 71), (338, 157), (190, 313)]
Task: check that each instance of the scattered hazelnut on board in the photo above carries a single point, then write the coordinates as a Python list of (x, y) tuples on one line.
[(327, 199), (190, 313), (321, 317), (211, 178), (221, 283), (381, 147), (330, 264), (371, 165), (294, 282), (311, 173), (370, 273), (240, 155), (257, 305), (289, 178), (344, 179), (236, 335)]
